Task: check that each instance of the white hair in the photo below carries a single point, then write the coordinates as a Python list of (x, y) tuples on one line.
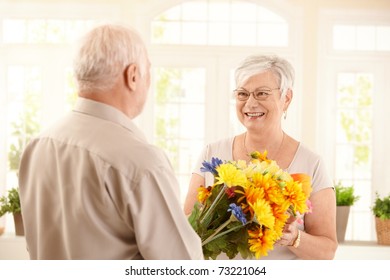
[(103, 55), (256, 64)]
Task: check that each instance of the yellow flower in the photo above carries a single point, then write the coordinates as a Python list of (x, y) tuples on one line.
[(281, 216), (259, 156), (271, 188), (250, 194), (263, 213), (203, 193), (260, 241), (230, 175)]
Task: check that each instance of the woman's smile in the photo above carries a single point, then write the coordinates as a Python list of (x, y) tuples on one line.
[(254, 115)]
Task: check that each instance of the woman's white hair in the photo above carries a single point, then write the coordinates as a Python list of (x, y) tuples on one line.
[(104, 53), (256, 64)]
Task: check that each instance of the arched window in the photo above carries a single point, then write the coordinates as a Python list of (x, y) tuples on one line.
[(234, 23)]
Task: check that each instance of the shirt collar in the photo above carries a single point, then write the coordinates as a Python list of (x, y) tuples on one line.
[(106, 112)]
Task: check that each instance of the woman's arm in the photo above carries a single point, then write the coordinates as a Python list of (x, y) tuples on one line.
[(319, 240), (195, 182)]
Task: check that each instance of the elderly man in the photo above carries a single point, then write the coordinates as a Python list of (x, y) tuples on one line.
[(91, 186)]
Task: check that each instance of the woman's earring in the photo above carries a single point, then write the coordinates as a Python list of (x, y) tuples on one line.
[(285, 114)]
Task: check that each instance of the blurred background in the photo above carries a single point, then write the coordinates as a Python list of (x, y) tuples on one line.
[(340, 51)]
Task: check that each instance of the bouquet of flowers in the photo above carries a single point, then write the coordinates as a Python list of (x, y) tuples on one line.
[(246, 208)]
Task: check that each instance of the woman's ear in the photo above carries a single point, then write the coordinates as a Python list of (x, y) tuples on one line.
[(287, 99), (131, 76)]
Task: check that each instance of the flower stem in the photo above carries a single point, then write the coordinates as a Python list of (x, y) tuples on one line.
[(214, 204), (215, 235), (221, 227)]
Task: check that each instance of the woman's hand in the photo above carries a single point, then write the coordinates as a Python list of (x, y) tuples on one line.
[(290, 232)]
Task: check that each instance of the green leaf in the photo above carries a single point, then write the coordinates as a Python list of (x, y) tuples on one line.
[(381, 208), (194, 217), (10, 203), (345, 195)]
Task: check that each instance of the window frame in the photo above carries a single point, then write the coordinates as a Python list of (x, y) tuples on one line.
[(333, 61)]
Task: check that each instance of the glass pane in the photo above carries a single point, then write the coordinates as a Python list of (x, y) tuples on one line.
[(272, 34), (23, 113), (364, 84), (70, 89), (344, 162), (362, 169), (195, 10), (243, 12), (194, 33), (191, 116), (243, 34), (74, 29), (219, 34), (36, 31), (266, 15), (55, 31), (171, 14), (365, 37), (15, 87), (166, 32), (346, 90), (361, 37), (44, 31), (345, 126), (364, 125), (219, 11), (179, 116), (177, 91), (383, 38), (14, 31), (344, 37), (362, 188), (354, 117), (235, 126), (353, 148), (167, 121)]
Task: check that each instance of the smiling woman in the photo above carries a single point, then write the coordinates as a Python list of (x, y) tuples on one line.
[(260, 112)]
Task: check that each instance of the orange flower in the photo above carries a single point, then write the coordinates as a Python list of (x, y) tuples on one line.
[(305, 180), (297, 198), (203, 193)]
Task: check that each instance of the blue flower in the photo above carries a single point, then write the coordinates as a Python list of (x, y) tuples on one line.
[(211, 166), (237, 212)]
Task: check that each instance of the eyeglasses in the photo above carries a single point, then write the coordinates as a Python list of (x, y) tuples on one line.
[(259, 94)]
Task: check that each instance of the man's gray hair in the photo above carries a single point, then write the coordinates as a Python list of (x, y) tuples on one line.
[(103, 55)]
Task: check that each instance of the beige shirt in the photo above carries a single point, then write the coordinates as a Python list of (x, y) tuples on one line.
[(305, 161), (91, 187)]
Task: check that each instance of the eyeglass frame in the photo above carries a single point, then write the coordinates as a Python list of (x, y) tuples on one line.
[(267, 91)]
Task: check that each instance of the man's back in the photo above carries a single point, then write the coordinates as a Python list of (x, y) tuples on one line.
[(92, 188)]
